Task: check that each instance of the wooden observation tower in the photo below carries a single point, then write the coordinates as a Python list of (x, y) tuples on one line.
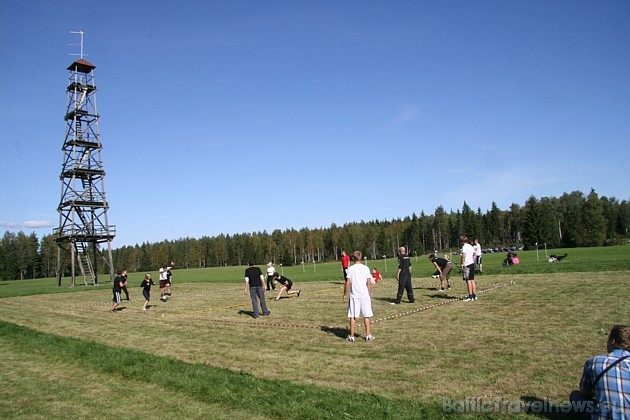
[(83, 224)]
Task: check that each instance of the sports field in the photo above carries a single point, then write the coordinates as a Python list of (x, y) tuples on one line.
[(202, 355)]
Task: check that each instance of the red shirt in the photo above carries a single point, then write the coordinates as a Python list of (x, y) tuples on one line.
[(377, 276), (345, 261)]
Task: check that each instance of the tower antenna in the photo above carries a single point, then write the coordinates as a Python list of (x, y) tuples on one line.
[(80, 43)]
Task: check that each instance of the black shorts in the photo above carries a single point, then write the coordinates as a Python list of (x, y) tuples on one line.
[(469, 272)]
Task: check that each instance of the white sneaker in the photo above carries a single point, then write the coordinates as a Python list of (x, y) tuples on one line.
[(350, 339), (468, 299), (369, 338), (144, 309)]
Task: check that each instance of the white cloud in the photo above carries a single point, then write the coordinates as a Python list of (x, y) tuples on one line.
[(29, 224), (504, 186), (407, 114)]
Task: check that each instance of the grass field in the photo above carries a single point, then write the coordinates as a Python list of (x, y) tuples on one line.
[(201, 355)]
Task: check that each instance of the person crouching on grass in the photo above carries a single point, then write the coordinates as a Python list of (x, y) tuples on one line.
[(376, 275), (285, 284), (146, 290), (359, 285)]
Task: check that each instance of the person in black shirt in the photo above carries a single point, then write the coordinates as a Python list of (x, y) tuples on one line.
[(169, 279), (119, 282), (404, 277), (146, 290), (444, 267), (124, 288), (255, 280), (285, 284)]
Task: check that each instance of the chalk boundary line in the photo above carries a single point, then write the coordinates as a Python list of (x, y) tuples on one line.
[(494, 286)]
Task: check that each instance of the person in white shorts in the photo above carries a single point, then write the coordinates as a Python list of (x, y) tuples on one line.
[(359, 287)]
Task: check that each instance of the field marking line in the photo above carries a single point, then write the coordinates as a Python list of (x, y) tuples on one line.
[(435, 305), (322, 327), (185, 315), (256, 323), (235, 306), (203, 292), (210, 309)]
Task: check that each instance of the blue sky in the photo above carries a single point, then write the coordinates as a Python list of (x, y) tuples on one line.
[(240, 116)]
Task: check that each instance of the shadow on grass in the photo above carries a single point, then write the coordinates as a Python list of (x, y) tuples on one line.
[(384, 299), (248, 313), (336, 331), (442, 296), (544, 408)]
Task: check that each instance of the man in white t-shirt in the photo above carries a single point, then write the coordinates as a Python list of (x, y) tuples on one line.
[(164, 281), (478, 256), (359, 285), (468, 267)]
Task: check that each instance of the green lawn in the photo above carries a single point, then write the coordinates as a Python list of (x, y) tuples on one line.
[(201, 355), (578, 260)]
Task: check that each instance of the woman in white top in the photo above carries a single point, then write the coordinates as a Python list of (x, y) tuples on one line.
[(270, 272)]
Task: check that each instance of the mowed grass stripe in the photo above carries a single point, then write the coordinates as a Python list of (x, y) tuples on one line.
[(199, 382)]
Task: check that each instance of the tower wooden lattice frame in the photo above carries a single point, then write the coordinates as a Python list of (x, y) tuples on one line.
[(83, 206)]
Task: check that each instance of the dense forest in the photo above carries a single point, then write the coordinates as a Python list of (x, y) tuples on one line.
[(572, 220)]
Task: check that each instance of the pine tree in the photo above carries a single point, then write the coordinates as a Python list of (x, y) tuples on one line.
[(591, 222)]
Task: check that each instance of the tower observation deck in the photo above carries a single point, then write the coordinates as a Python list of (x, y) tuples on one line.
[(83, 205)]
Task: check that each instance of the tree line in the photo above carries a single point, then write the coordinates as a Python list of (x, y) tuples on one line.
[(572, 220)]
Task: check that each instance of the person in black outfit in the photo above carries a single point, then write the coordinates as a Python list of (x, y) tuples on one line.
[(256, 281), (404, 277), (169, 279), (124, 288), (285, 285), (146, 290), (119, 281)]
